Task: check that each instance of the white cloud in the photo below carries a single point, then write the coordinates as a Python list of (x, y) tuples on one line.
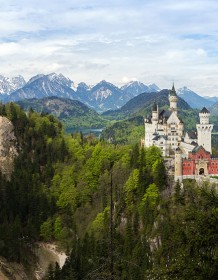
[(155, 41)]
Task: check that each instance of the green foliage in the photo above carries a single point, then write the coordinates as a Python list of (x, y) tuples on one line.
[(188, 233), (72, 113), (60, 191), (129, 125), (100, 222), (125, 132), (46, 230), (26, 204), (130, 188), (151, 196)]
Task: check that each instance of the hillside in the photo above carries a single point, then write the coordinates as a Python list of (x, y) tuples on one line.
[(24, 197), (142, 105), (103, 204), (124, 131), (73, 113), (214, 109)]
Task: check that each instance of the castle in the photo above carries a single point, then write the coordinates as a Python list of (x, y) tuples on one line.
[(192, 151)]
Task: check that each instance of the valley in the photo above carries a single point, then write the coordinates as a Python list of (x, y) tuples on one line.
[(82, 194)]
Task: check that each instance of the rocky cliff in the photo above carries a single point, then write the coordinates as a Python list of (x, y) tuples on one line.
[(8, 143)]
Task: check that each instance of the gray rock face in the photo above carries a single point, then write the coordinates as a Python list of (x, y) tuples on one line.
[(8, 150)]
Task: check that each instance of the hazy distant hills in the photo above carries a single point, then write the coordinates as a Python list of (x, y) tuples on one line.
[(214, 109), (72, 113), (212, 98)]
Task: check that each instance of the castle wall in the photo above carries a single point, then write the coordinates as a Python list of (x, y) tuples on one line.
[(188, 167), (199, 163), (213, 167)]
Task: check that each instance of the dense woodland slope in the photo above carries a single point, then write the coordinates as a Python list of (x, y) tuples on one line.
[(62, 190), (72, 113)]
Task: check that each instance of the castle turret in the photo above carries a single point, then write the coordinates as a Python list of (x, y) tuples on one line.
[(155, 114), (204, 130), (178, 164), (173, 99)]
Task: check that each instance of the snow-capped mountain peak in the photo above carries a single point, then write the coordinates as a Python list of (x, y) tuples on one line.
[(34, 78), (8, 85), (154, 87), (192, 98), (135, 88), (183, 90), (102, 96)]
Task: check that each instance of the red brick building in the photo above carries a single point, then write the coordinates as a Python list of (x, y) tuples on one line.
[(199, 162)]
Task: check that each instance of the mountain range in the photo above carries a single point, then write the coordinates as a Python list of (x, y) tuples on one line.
[(101, 97), (193, 99), (142, 105), (8, 85)]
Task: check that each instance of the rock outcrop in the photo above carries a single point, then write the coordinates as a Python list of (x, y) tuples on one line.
[(8, 150)]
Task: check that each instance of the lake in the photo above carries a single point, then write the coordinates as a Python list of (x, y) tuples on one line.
[(85, 131)]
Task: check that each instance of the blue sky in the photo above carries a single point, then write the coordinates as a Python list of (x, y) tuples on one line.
[(153, 41)]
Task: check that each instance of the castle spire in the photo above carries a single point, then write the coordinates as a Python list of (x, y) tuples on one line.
[(173, 99), (172, 91), (154, 106)]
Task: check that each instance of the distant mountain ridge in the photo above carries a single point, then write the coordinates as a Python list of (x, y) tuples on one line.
[(142, 104), (42, 86), (8, 85), (214, 109), (135, 88), (102, 97), (193, 99)]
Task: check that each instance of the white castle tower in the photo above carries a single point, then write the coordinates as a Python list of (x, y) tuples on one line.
[(155, 115), (178, 165), (173, 98), (204, 130)]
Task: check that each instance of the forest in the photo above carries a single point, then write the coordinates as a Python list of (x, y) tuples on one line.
[(111, 207)]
